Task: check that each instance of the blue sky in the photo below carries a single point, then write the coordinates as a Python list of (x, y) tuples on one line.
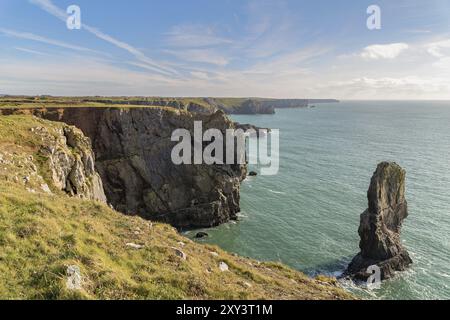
[(277, 48)]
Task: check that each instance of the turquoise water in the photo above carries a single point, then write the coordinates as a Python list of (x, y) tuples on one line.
[(307, 216)]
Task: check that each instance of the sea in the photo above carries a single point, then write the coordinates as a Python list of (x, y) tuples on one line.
[(307, 215)]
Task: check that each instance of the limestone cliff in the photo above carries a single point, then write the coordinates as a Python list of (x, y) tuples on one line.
[(133, 156), (64, 160), (381, 225)]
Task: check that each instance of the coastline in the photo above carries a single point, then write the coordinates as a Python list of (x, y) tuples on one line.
[(309, 288)]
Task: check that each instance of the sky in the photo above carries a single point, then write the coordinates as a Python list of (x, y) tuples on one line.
[(227, 48)]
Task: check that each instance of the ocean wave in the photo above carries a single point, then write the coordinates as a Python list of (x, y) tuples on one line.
[(276, 192)]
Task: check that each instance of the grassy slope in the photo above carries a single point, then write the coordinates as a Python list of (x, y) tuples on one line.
[(67, 102), (94, 102), (41, 235)]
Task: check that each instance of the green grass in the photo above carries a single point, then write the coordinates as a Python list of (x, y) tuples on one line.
[(41, 235), (21, 102)]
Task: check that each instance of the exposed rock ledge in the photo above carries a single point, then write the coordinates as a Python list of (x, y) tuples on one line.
[(381, 225), (133, 157), (64, 162)]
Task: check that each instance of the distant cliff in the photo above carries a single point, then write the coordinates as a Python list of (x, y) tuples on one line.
[(261, 105), (240, 106), (195, 105)]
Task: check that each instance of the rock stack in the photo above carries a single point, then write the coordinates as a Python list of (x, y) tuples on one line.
[(380, 225)]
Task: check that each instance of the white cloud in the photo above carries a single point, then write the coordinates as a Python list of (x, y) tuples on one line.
[(384, 51), (439, 49)]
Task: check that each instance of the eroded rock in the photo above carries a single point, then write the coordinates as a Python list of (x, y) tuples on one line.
[(381, 224), (71, 162), (179, 253)]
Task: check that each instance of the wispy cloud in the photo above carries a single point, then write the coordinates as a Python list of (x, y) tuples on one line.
[(194, 36), (439, 49), (207, 56), (30, 51), (49, 7), (78, 76), (38, 38)]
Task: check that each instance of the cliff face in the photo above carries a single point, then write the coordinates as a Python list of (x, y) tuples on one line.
[(381, 225), (240, 106), (133, 156), (62, 161)]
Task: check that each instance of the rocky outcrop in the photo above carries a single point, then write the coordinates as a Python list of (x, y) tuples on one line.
[(380, 225), (241, 106), (64, 162), (133, 157), (71, 160)]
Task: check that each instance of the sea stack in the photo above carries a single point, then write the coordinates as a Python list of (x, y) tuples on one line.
[(380, 225)]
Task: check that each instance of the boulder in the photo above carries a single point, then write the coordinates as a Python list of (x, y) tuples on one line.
[(134, 246), (201, 235), (223, 266), (381, 224), (179, 253)]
